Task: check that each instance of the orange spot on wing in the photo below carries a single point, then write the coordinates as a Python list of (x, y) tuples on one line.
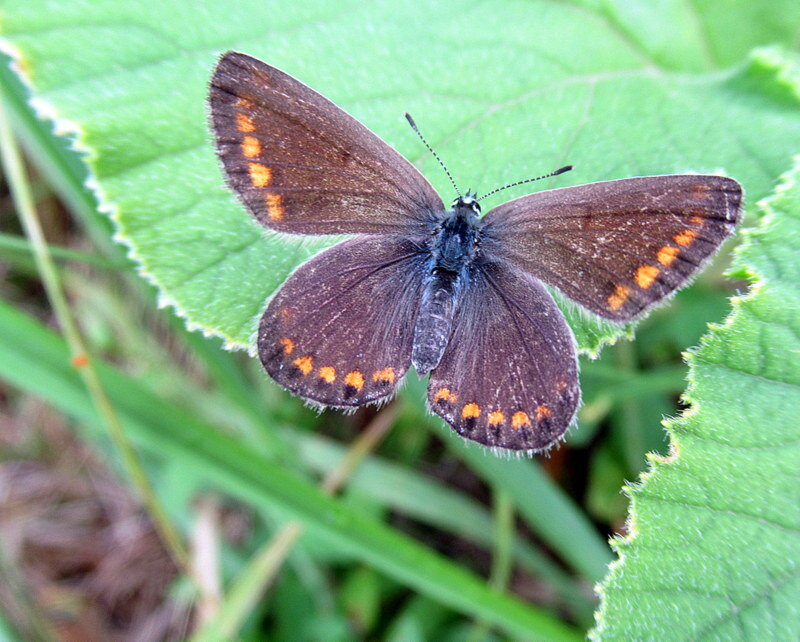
[(645, 276), (618, 297), (244, 103), (244, 123), (471, 411), (519, 420), (260, 175), (327, 374), (251, 147), (700, 190), (542, 412), (305, 364), (667, 254), (288, 345), (697, 217), (444, 394), (387, 375), (354, 379), (275, 207), (685, 238), (496, 418)]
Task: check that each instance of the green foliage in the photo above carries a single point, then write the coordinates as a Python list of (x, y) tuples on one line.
[(503, 90), (714, 542)]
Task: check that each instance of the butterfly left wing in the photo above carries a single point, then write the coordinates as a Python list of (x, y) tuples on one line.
[(302, 165), (617, 247), (509, 375), (339, 330)]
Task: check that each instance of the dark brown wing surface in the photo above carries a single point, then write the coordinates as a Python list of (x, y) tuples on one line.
[(509, 375), (300, 164), (617, 247), (339, 331)]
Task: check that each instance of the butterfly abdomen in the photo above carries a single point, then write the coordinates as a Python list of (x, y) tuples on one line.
[(453, 249), (435, 319)]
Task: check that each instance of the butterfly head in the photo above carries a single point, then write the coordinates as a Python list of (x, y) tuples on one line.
[(468, 203)]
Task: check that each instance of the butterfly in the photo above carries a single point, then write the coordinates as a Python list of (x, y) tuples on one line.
[(457, 295)]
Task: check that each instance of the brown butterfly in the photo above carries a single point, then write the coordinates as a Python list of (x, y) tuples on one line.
[(457, 295)]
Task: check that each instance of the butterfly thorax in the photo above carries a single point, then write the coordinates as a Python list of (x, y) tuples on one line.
[(454, 244), (453, 248)]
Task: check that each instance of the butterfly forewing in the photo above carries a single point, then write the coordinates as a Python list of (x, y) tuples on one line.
[(301, 164), (617, 247), (339, 331), (509, 376)]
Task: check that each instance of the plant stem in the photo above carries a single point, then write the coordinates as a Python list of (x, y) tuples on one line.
[(265, 564), (20, 191)]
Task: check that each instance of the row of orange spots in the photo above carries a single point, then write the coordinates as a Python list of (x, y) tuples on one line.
[(328, 373), (497, 418), (646, 274), (260, 175)]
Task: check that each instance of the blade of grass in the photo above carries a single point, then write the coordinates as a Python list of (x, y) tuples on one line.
[(13, 166), (545, 507), (34, 359), (267, 562), (408, 492), (15, 246), (501, 555)]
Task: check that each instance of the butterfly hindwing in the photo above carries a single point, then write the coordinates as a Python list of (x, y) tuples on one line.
[(617, 247), (339, 331), (301, 164), (509, 376)]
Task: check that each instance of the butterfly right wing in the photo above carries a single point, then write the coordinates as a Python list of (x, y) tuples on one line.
[(339, 331), (616, 247), (300, 164), (509, 375)]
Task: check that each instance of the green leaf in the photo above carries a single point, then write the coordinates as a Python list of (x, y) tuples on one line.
[(616, 88), (714, 544)]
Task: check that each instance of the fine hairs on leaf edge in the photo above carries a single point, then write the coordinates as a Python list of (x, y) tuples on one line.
[(673, 425)]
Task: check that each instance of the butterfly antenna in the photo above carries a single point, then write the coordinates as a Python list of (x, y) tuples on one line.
[(527, 180), (430, 149)]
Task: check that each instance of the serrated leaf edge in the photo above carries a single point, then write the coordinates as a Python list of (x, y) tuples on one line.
[(672, 425)]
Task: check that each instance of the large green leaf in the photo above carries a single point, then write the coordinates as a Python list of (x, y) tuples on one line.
[(503, 90), (714, 544)]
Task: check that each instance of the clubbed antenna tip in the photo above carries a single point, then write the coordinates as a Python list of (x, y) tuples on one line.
[(561, 170)]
